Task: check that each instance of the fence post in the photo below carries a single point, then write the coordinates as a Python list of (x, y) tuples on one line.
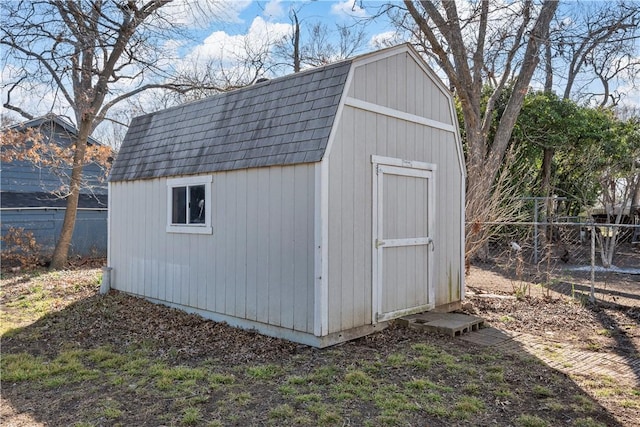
[(592, 296), (535, 231)]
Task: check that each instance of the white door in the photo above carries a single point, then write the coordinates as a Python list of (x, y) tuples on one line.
[(402, 237)]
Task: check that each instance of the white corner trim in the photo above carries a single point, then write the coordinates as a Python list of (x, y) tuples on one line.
[(321, 246), (397, 114), (109, 193), (324, 205)]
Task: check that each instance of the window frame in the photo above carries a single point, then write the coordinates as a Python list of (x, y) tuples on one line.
[(194, 228)]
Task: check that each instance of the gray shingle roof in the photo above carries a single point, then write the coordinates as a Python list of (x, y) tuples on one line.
[(278, 122)]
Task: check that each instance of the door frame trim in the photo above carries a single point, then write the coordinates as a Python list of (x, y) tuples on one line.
[(411, 168)]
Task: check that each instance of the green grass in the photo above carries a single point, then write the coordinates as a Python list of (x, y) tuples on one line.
[(465, 407), (395, 359), (281, 412), (397, 383), (540, 391), (306, 398), (264, 372), (526, 420), (111, 411), (587, 422), (324, 375), (221, 379), (241, 399), (628, 403), (191, 416)]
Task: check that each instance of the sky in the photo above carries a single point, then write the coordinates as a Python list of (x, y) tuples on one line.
[(223, 35), (258, 21), (261, 21)]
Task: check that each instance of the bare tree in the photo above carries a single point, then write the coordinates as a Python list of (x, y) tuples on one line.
[(321, 45), (616, 193), (224, 74), (485, 43), (593, 44), (90, 56)]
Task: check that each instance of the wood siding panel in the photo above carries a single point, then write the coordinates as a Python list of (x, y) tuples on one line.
[(287, 230), (274, 246), (242, 251), (257, 264), (253, 253)]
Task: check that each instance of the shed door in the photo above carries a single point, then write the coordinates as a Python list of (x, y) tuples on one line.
[(403, 243)]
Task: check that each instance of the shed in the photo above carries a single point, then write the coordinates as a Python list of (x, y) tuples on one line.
[(314, 207), (30, 201)]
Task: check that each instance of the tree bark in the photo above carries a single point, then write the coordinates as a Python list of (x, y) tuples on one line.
[(61, 251), (484, 158), (296, 43)]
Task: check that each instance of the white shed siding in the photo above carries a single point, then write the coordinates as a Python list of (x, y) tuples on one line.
[(257, 265), (363, 133), (398, 82)]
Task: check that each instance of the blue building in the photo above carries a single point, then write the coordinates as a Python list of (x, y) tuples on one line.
[(29, 201)]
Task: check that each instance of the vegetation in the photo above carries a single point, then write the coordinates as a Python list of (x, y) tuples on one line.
[(123, 361)]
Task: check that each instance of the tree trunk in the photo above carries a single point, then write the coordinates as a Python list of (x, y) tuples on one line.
[(547, 160), (545, 188), (61, 251), (548, 65), (516, 100), (296, 44)]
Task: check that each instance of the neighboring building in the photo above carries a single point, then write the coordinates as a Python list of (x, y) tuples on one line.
[(28, 200), (313, 207)]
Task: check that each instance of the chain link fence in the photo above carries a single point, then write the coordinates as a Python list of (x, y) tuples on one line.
[(577, 258)]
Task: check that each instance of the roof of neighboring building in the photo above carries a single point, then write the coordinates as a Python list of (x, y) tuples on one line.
[(10, 199), (278, 122), (52, 118)]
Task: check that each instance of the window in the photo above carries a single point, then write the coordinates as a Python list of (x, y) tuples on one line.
[(189, 205)]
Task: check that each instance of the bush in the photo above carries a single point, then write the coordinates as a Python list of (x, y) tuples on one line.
[(19, 248)]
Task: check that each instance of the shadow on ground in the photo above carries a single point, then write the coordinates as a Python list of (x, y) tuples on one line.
[(120, 360)]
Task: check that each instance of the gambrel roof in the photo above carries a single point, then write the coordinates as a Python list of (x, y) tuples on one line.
[(278, 122)]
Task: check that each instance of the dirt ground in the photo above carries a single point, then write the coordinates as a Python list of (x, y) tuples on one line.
[(551, 303), (555, 314)]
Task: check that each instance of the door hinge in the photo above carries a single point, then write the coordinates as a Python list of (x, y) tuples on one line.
[(379, 243)]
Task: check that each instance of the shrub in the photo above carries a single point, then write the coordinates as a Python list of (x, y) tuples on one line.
[(19, 248)]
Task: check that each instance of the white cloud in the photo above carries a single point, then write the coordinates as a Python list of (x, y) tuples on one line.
[(348, 9), (221, 46), (273, 9), (631, 96), (386, 39)]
